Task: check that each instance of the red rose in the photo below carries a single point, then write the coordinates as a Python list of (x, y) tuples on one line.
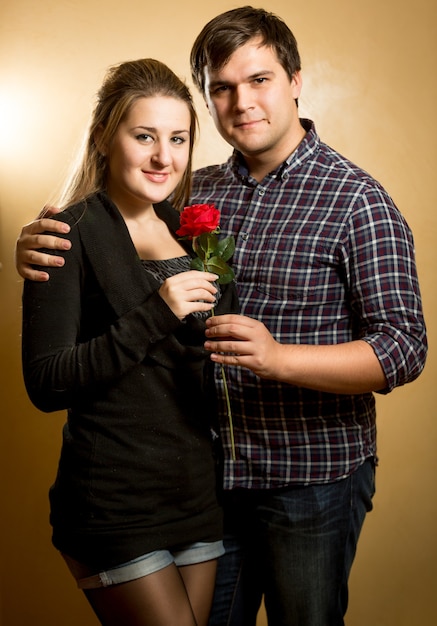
[(198, 219)]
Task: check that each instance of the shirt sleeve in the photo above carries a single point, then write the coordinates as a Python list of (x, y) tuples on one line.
[(385, 294)]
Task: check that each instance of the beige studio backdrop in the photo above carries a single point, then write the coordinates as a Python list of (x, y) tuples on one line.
[(369, 72)]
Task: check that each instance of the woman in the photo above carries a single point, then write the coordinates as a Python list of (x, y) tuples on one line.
[(116, 338)]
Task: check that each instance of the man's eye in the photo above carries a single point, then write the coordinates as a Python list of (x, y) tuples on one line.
[(221, 89)]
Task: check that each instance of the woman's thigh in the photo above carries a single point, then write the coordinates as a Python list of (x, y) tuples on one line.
[(158, 599)]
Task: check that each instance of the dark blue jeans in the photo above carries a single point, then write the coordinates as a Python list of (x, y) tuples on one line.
[(295, 546)]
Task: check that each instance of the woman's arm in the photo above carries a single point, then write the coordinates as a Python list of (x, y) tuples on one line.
[(59, 361)]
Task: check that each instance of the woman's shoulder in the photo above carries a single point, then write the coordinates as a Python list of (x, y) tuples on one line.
[(73, 213), (95, 205)]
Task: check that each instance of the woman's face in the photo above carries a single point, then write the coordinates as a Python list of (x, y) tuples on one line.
[(149, 152)]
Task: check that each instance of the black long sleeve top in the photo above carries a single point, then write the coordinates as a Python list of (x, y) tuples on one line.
[(137, 470)]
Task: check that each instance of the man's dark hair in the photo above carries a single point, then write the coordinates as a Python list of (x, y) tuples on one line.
[(227, 32)]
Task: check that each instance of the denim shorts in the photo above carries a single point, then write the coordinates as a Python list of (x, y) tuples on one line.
[(143, 565)]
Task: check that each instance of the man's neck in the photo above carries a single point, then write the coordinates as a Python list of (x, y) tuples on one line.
[(261, 165)]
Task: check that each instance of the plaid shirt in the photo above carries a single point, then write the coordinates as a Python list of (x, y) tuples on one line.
[(322, 257)]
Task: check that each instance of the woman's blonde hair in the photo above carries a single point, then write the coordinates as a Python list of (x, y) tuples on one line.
[(123, 85)]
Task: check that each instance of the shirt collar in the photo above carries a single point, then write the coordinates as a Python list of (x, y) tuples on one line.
[(307, 148)]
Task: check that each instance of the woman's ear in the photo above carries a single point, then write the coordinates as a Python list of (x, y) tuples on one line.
[(98, 140)]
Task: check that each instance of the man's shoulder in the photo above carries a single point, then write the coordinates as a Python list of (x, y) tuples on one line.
[(211, 170), (330, 162), (335, 165), (212, 178)]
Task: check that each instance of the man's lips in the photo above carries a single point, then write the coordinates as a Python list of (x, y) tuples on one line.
[(247, 125)]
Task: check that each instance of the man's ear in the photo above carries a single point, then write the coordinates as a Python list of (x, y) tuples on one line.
[(296, 84), (98, 140)]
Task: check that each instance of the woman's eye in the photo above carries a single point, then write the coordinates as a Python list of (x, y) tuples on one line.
[(178, 140), (144, 138)]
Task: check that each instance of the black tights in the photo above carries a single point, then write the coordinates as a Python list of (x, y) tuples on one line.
[(170, 597)]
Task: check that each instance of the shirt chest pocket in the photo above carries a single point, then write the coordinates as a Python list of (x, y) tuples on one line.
[(295, 270)]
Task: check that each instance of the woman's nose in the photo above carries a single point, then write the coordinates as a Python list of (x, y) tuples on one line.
[(162, 154)]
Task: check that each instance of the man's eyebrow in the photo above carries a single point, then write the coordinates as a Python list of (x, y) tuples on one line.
[(261, 73), (217, 83), (255, 75)]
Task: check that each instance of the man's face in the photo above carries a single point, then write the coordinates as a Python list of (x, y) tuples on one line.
[(252, 102)]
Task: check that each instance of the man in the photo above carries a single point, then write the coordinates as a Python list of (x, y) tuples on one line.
[(330, 312)]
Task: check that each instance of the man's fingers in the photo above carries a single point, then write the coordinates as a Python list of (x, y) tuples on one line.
[(34, 275), (227, 347), (44, 259), (227, 331), (51, 242), (227, 359), (45, 224)]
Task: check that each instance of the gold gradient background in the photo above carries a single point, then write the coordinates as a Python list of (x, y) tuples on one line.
[(369, 72)]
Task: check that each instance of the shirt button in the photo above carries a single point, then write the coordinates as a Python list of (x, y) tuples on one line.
[(261, 191), (244, 236)]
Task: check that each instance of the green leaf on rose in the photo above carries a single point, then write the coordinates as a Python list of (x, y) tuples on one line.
[(217, 265), (197, 264), (226, 278), (205, 245), (226, 248)]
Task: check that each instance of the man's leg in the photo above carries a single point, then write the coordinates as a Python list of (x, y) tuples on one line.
[(238, 589), (309, 536)]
